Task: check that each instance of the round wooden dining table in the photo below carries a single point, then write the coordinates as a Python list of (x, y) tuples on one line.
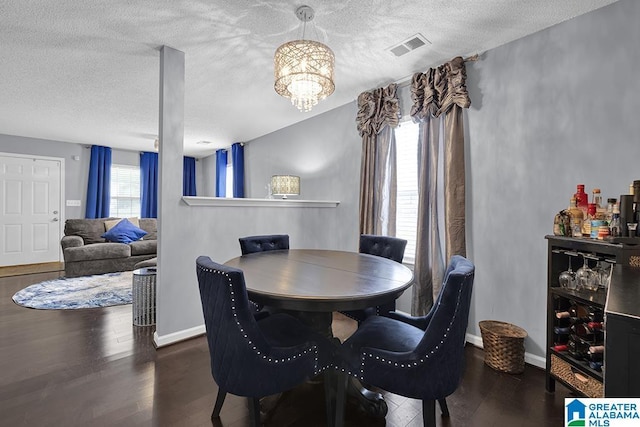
[(313, 283), (317, 280)]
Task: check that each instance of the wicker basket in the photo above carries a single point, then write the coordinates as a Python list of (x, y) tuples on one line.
[(503, 346), (591, 387)]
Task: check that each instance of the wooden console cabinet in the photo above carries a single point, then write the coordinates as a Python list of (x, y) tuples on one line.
[(621, 315)]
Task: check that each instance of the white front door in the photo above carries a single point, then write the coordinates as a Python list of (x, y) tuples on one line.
[(30, 209)]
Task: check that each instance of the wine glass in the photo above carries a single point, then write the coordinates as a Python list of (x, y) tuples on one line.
[(567, 278), (602, 269), (586, 277)]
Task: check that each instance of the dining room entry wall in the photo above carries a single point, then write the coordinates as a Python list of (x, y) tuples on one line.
[(324, 151)]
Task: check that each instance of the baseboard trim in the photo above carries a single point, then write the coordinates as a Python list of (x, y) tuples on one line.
[(529, 358), (175, 337), (19, 270)]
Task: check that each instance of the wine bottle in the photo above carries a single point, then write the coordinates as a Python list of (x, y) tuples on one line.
[(581, 330), (577, 348), (596, 315), (596, 349), (594, 357), (575, 311), (580, 313), (594, 326), (596, 366)]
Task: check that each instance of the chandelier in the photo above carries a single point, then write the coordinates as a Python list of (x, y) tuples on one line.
[(304, 68)]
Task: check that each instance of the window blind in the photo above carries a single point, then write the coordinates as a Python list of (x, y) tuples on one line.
[(125, 191), (407, 181)]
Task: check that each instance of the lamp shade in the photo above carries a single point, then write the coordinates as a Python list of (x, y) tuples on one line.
[(285, 185), (304, 72)]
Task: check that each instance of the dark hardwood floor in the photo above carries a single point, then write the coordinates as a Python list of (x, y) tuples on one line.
[(93, 368)]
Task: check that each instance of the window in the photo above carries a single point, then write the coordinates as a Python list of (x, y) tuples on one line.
[(229, 172), (407, 180), (125, 191)]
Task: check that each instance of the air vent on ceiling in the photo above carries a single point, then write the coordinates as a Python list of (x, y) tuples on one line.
[(412, 43)]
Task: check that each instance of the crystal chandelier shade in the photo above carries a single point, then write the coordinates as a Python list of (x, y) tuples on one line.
[(303, 71)]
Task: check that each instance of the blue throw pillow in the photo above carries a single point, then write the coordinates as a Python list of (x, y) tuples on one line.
[(124, 232)]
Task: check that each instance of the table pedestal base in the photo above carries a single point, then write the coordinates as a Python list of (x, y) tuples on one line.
[(370, 402)]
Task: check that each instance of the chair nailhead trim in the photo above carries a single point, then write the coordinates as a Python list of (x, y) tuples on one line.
[(313, 348), (365, 356)]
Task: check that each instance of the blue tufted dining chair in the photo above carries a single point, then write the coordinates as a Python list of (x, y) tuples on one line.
[(383, 246), (254, 358), (416, 357), (272, 242), (253, 244)]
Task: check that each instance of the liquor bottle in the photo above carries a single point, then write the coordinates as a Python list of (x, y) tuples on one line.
[(636, 206), (601, 210), (611, 202), (582, 198), (596, 198), (577, 217), (588, 221), (626, 206), (614, 224)]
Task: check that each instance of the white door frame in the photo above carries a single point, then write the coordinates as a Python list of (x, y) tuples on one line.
[(62, 190)]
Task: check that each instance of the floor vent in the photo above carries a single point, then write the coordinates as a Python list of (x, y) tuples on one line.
[(408, 45)]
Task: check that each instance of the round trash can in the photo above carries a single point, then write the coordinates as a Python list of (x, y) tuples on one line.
[(503, 346), (143, 294)]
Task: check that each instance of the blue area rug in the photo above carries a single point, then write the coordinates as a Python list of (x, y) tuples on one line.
[(102, 290)]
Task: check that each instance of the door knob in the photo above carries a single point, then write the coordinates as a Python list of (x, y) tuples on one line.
[(55, 219)]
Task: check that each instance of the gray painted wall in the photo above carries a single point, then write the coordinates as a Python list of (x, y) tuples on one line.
[(207, 166), (548, 111), (76, 171), (326, 154)]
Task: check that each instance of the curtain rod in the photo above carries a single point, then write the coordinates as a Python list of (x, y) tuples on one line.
[(242, 144), (406, 81)]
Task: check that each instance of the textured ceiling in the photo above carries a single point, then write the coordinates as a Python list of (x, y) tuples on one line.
[(88, 71)]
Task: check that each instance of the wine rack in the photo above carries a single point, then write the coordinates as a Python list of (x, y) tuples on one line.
[(576, 322)]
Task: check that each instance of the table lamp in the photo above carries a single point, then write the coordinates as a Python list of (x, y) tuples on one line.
[(285, 185)]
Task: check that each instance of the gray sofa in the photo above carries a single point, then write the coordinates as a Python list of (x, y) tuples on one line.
[(86, 252)]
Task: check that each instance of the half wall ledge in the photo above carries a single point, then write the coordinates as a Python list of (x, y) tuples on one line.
[(260, 203)]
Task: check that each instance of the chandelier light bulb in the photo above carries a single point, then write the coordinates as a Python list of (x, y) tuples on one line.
[(303, 69)]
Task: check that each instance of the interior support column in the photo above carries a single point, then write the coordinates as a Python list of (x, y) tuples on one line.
[(171, 137)]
